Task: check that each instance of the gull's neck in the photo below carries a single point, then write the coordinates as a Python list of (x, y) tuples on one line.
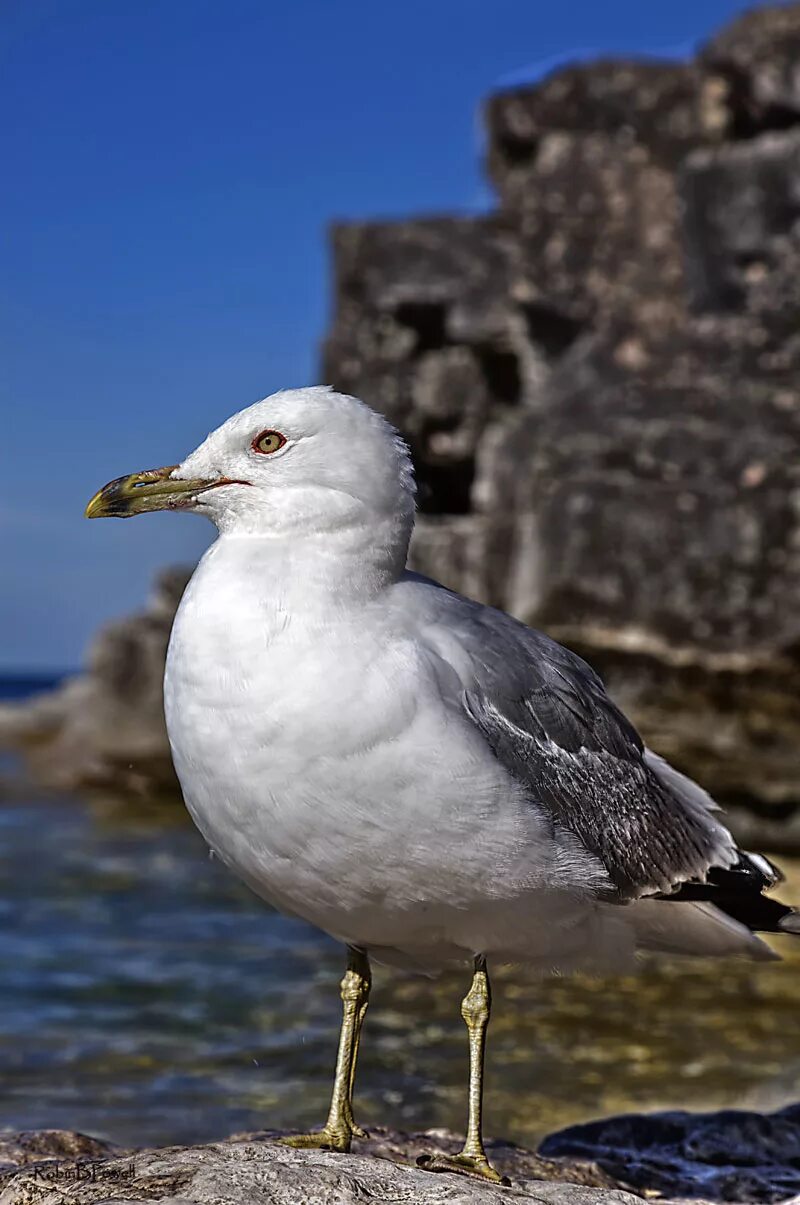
[(307, 572)]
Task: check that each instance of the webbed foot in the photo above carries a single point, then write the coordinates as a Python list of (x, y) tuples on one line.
[(462, 1165)]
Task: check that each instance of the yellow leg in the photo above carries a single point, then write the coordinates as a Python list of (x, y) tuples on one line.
[(476, 1009), (340, 1127), (359, 1021)]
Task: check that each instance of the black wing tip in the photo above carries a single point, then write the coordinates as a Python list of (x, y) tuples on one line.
[(761, 867), (738, 891)]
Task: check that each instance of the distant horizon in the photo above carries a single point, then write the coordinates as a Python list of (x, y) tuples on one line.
[(37, 675), (171, 173)]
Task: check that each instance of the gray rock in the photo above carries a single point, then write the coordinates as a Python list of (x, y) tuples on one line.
[(737, 199), (667, 107), (252, 1170), (653, 529), (36, 1148), (104, 729), (636, 490), (732, 1155), (757, 56), (599, 233)]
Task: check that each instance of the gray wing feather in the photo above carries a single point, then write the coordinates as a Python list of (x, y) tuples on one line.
[(546, 716)]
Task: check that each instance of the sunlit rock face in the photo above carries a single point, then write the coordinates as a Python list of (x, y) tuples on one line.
[(599, 380)]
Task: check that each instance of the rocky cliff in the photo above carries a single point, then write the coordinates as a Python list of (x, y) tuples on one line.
[(599, 382)]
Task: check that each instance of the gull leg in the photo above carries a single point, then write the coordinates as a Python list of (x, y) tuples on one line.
[(340, 1127), (361, 1012), (471, 1160)]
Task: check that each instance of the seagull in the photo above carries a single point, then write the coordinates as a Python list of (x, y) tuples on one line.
[(424, 778)]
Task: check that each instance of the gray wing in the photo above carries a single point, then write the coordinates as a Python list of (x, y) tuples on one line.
[(546, 716)]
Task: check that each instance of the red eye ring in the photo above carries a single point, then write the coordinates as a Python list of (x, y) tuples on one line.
[(268, 441)]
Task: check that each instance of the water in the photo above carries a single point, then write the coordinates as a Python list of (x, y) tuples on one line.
[(147, 997), (25, 685)]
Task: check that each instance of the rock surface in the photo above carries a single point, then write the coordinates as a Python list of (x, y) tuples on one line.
[(732, 1155), (727, 1156), (31, 1148), (55, 1166), (104, 730), (599, 383)]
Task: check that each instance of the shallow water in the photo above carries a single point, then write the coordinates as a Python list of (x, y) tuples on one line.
[(148, 997)]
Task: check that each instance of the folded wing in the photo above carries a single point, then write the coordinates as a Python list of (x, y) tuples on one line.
[(546, 716)]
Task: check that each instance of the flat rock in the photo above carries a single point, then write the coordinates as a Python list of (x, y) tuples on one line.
[(39, 1149), (252, 1170)]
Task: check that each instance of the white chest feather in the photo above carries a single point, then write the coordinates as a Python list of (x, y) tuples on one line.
[(291, 736)]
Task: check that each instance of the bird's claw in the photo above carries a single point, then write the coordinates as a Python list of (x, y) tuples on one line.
[(462, 1165), (324, 1139)]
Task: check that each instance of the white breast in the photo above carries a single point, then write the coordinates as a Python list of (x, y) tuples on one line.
[(321, 765)]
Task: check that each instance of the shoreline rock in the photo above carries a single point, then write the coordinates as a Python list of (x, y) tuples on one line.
[(103, 730), (726, 1156), (248, 1169), (254, 1169)]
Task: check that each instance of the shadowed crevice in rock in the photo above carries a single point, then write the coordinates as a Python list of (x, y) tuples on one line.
[(427, 321), (554, 332), (502, 374), (452, 480)]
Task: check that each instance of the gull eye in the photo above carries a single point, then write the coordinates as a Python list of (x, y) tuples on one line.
[(268, 441)]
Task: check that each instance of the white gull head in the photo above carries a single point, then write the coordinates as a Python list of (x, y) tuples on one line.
[(303, 469), (303, 461)]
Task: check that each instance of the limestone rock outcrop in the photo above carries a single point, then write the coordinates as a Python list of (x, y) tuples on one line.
[(600, 381)]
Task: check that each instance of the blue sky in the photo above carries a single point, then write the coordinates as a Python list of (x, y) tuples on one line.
[(170, 170)]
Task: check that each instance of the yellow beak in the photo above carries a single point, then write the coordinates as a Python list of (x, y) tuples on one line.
[(153, 489)]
